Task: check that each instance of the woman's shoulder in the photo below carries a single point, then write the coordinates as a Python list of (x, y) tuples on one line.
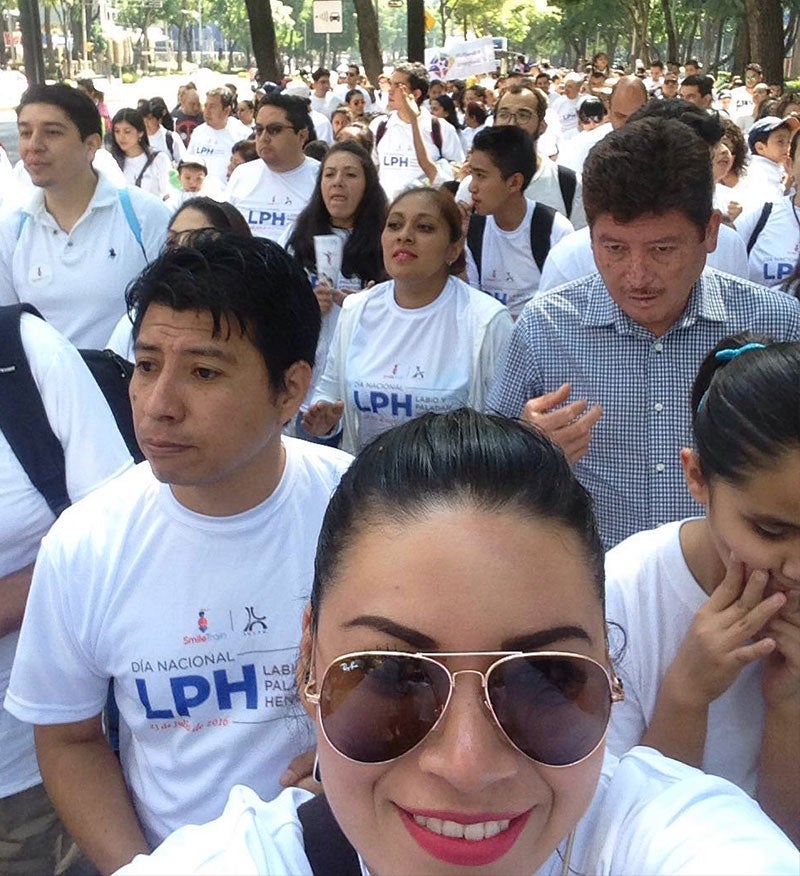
[(251, 836), (652, 814), (486, 306)]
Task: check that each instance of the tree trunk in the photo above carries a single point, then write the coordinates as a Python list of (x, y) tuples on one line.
[(741, 48), (369, 40), (765, 21), (179, 53), (49, 51), (672, 35), (265, 42)]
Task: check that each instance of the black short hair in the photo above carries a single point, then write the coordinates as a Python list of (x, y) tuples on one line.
[(418, 78), (79, 107), (703, 83), (463, 459), (511, 150), (746, 410), (296, 109), (250, 284), (319, 73), (706, 124), (652, 165)]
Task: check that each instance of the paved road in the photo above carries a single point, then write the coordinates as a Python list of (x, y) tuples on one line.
[(119, 95)]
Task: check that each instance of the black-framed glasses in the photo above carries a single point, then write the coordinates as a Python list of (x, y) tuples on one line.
[(523, 116), (273, 129), (552, 706)]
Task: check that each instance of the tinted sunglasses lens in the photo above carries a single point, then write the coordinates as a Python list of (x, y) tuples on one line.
[(554, 709), (376, 707)]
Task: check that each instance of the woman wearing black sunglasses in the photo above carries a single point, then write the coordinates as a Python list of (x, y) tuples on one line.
[(454, 659)]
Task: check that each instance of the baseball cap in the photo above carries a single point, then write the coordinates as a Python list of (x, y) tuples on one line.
[(297, 88), (573, 77), (671, 77), (193, 161), (764, 127)]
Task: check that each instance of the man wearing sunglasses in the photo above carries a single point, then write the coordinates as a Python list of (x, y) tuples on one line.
[(742, 97), (271, 193)]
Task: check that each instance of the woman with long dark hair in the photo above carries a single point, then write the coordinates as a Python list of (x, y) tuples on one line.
[(141, 165)]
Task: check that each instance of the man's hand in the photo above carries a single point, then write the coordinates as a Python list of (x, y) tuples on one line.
[(321, 417), (570, 426)]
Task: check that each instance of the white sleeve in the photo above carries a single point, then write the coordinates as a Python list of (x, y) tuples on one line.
[(730, 255), (9, 229), (493, 352), (178, 147), (561, 228), (472, 269), (161, 169), (452, 149), (578, 215), (552, 274), (61, 684)]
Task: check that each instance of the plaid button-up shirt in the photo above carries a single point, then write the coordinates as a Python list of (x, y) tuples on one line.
[(576, 334)]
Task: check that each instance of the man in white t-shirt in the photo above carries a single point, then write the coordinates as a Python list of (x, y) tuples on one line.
[(185, 579), (73, 249), (509, 236), (396, 150), (352, 82), (565, 106), (741, 106), (272, 192), (556, 186), (31, 835), (323, 100), (214, 139)]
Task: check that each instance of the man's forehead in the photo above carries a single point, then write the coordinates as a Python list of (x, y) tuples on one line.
[(267, 114), (525, 98), (45, 113)]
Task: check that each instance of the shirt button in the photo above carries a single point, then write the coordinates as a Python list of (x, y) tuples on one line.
[(658, 347), (69, 243), (658, 406), (660, 467)]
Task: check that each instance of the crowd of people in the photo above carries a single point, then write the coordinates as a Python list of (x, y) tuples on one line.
[(432, 379)]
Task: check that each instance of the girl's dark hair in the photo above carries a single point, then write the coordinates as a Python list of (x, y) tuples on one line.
[(746, 410), (158, 109), (449, 211), (476, 111), (461, 458), (134, 118), (363, 256), (448, 105), (222, 216), (733, 138)]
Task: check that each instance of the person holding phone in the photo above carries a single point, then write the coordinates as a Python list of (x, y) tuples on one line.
[(455, 662)]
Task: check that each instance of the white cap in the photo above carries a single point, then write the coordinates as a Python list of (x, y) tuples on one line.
[(573, 77), (297, 88)]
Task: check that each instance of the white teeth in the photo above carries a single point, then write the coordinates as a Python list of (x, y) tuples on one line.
[(472, 832)]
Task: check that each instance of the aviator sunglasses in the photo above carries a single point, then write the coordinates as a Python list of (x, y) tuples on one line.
[(376, 706)]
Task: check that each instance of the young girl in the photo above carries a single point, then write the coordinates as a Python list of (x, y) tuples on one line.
[(711, 606), (142, 166), (454, 659)]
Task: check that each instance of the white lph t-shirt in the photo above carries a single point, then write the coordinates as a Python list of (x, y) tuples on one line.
[(214, 145), (270, 202), (653, 596), (197, 620), (94, 453), (776, 251), (508, 270)]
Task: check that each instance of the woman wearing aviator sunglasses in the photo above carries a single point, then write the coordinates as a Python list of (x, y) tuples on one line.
[(454, 659)]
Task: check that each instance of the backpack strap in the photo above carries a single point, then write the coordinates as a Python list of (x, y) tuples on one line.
[(759, 227), (131, 218), (380, 131), (150, 159), (170, 145), (568, 183), (328, 850), (477, 226), (23, 419), (436, 135), (541, 229)]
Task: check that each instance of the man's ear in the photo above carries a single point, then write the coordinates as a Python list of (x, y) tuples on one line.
[(296, 381), (759, 147), (92, 143), (304, 663), (693, 475), (515, 182)]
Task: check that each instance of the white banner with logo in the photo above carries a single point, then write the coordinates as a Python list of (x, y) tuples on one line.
[(459, 60)]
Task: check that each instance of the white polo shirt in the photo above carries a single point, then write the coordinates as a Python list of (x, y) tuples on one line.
[(77, 279)]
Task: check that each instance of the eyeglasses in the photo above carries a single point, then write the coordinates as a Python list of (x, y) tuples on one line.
[(523, 116), (273, 129), (376, 706)]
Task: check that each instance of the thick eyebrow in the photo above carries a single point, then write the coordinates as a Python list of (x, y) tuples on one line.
[(422, 642), (205, 352)]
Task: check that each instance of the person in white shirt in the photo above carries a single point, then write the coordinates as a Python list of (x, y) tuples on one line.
[(406, 146), (214, 139), (741, 106), (556, 186), (699, 90), (323, 100), (73, 249), (593, 127), (711, 606), (141, 165), (270, 193), (509, 236), (31, 835), (320, 121), (656, 78), (565, 106), (184, 580), (455, 663), (162, 139), (769, 141), (352, 81), (423, 341)]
